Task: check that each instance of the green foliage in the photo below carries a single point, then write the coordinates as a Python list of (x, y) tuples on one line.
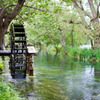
[(1, 64), (69, 2), (73, 51), (49, 22), (7, 92), (97, 54), (57, 9), (90, 54), (1, 67), (84, 54), (52, 29), (6, 3)]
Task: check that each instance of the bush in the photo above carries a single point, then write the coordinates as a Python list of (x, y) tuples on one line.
[(73, 51), (1, 65), (84, 54), (7, 92), (90, 54), (97, 54)]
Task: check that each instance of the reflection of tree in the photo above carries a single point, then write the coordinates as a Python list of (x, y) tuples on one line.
[(97, 71), (61, 77), (25, 88), (6, 66), (71, 65)]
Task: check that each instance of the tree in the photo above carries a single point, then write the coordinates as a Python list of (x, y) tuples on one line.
[(8, 11), (55, 29), (88, 9), (93, 15)]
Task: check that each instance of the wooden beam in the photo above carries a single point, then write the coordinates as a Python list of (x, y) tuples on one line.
[(5, 53)]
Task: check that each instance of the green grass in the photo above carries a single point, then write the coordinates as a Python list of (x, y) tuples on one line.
[(77, 53), (74, 52), (84, 54), (7, 92)]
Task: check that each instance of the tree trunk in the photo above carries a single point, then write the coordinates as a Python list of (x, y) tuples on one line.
[(2, 36), (96, 35), (56, 50), (72, 36), (92, 43), (97, 43), (94, 13), (62, 43), (47, 48), (5, 20)]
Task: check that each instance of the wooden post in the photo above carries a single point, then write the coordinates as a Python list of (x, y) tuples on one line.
[(31, 52), (30, 64)]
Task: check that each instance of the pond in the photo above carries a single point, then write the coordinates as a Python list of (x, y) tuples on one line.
[(58, 78)]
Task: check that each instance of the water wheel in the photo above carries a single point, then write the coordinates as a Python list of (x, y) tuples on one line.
[(18, 57)]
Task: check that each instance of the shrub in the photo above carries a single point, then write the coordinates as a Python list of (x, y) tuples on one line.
[(1, 65), (7, 92), (86, 53), (73, 51), (97, 54)]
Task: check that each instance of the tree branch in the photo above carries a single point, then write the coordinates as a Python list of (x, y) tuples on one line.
[(20, 17), (94, 13), (37, 8), (81, 8), (2, 12), (23, 6), (71, 22), (97, 13), (81, 5), (98, 9), (92, 7), (15, 12), (17, 8)]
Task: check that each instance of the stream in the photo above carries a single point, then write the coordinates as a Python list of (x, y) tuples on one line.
[(58, 78)]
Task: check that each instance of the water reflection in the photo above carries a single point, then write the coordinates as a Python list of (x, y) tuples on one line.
[(79, 79), (59, 78)]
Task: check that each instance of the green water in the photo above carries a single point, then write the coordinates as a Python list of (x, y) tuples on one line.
[(59, 78)]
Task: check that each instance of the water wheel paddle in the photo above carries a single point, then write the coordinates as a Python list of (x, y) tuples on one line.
[(18, 57)]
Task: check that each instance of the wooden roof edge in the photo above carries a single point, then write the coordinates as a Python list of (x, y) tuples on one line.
[(31, 50)]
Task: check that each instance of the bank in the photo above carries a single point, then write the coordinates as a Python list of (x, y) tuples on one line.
[(81, 54)]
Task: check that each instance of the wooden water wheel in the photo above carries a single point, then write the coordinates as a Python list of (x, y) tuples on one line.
[(18, 57)]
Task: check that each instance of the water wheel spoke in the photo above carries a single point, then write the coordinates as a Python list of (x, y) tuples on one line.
[(18, 59)]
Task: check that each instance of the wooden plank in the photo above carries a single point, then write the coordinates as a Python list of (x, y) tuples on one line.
[(31, 50), (5, 53)]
